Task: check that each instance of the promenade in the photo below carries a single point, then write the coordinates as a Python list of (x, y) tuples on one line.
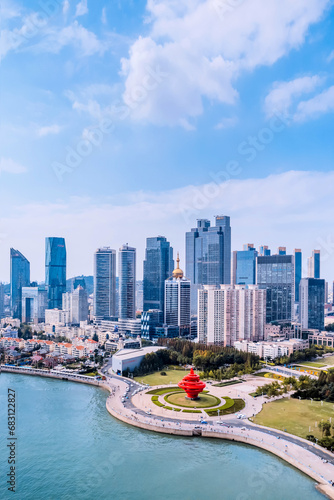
[(309, 458)]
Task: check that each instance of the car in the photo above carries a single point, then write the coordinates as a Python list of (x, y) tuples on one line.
[(203, 422), (243, 428), (278, 437)]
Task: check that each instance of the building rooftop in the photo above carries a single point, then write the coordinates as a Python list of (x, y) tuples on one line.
[(130, 353)]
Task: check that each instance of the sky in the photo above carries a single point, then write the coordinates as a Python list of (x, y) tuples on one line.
[(125, 119)]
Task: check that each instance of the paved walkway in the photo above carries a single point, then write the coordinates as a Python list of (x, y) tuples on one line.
[(308, 457)]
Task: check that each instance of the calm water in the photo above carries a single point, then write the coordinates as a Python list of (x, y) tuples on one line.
[(69, 447)]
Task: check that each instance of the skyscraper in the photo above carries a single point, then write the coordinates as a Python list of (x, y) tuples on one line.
[(312, 303), (177, 301), (244, 266), (158, 266), (105, 283), (313, 265), (34, 304), (127, 282), (2, 300), (19, 277), (264, 251), (208, 252), (276, 274), (79, 305), (298, 272), (55, 271)]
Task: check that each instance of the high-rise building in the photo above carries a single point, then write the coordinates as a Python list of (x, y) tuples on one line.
[(177, 301), (298, 271), (276, 274), (34, 304), (19, 277), (231, 313), (2, 301), (281, 251), (79, 305), (127, 282), (264, 251), (208, 252), (55, 271), (312, 303), (313, 265), (158, 266), (105, 283), (244, 266)]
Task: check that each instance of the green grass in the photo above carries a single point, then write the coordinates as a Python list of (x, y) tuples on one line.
[(227, 409), (173, 375), (165, 390), (295, 416), (311, 364), (157, 403), (91, 374), (329, 360), (224, 384), (191, 411), (204, 401)]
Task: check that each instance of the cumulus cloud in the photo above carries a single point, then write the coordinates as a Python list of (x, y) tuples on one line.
[(81, 9), (290, 209), (320, 104), (50, 129), (202, 48), (283, 94), (10, 166)]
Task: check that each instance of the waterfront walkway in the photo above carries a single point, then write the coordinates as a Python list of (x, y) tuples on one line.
[(313, 460)]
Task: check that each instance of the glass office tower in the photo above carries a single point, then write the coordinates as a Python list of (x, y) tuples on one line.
[(244, 266), (19, 277), (158, 266), (127, 282), (298, 272), (276, 274), (208, 252), (312, 303), (105, 283), (55, 271)]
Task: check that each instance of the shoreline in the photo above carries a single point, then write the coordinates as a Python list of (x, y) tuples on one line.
[(322, 485)]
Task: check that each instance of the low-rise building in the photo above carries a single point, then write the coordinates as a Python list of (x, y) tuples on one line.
[(129, 359)]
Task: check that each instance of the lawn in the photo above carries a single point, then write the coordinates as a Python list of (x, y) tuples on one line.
[(203, 401), (173, 376), (312, 364), (329, 360), (295, 416)]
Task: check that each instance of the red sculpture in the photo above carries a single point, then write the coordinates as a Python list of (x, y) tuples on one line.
[(192, 384)]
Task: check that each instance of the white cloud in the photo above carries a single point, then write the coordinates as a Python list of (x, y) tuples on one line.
[(66, 7), (290, 209), (104, 16), (81, 9), (283, 94), (203, 49), (318, 105), (227, 123), (50, 129), (11, 167), (330, 57)]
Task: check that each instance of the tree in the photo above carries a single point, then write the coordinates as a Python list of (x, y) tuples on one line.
[(95, 337)]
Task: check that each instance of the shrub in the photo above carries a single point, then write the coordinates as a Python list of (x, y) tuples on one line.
[(157, 403), (191, 411)]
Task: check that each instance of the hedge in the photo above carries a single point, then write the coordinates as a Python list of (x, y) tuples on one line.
[(158, 403), (164, 390), (191, 411)]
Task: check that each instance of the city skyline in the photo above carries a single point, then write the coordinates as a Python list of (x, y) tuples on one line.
[(253, 141)]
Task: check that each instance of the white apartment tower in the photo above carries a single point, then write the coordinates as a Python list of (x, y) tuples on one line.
[(230, 313)]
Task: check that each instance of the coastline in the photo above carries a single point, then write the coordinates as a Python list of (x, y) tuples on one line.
[(322, 485)]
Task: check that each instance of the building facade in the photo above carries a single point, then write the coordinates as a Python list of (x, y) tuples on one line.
[(177, 302), (276, 275), (313, 265), (127, 282), (158, 266), (104, 283), (34, 304), (19, 278), (312, 303), (55, 271), (244, 266), (229, 313)]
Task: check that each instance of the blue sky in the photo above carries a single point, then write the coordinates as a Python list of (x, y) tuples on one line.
[(173, 110)]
